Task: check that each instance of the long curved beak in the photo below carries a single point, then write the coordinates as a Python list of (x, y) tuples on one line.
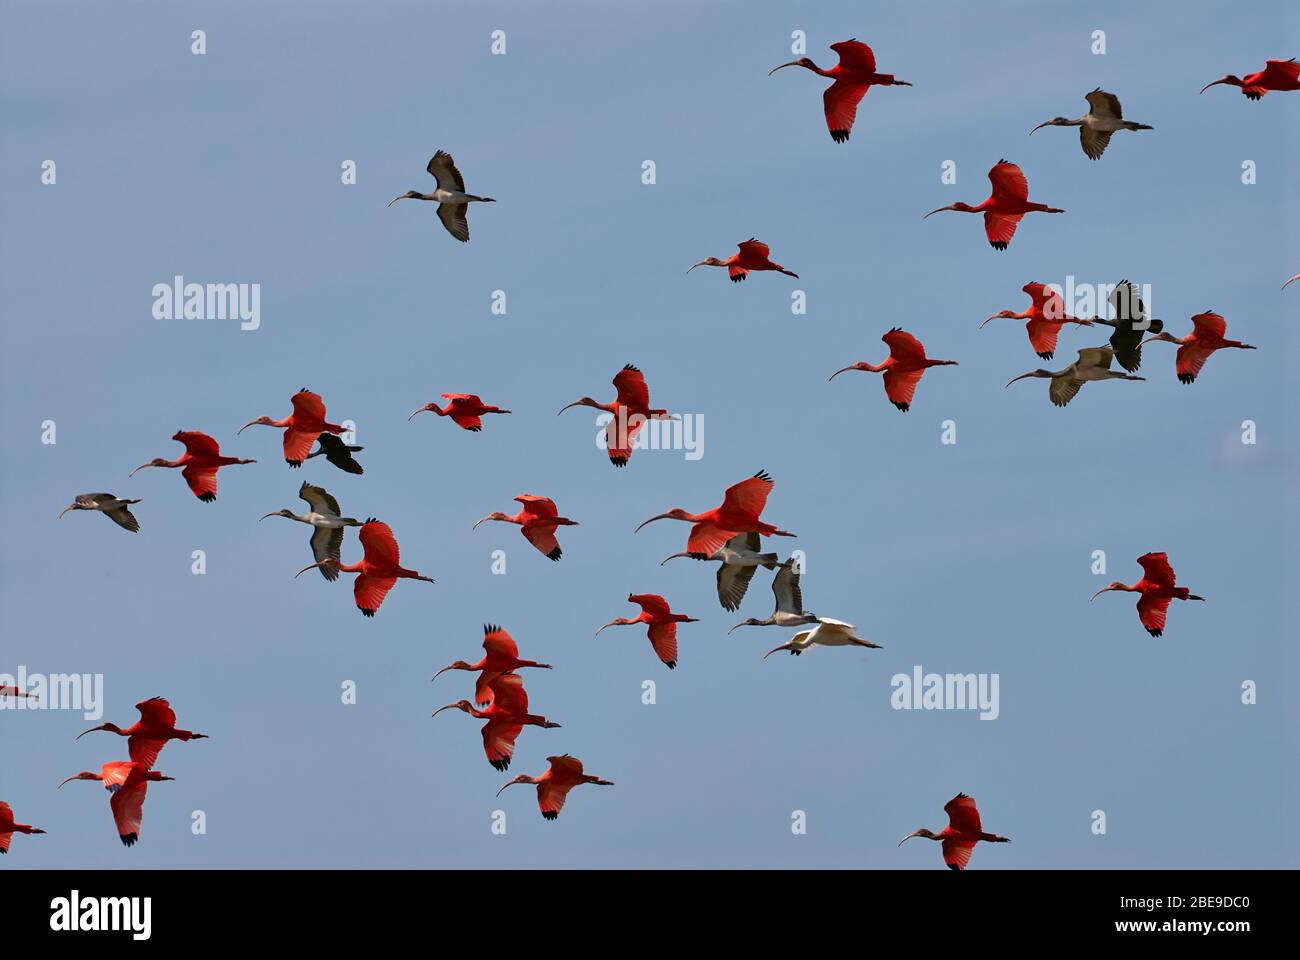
[(837, 373), (605, 627), (84, 732), (1291, 281), (996, 316), (575, 403), (138, 469), (792, 63), (66, 509), (314, 566), (503, 789), (736, 627), (412, 416), (69, 780), (273, 513), (1099, 593), (704, 263), (484, 520), (1021, 377), (440, 672), (909, 837), (395, 199), (672, 557), (662, 516), (450, 706), (784, 646), (1208, 85), (1046, 123), (937, 210), (245, 427)]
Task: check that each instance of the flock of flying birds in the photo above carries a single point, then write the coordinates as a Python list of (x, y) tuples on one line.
[(729, 534)]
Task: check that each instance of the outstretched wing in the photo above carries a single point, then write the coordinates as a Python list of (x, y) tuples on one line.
[(632, 389), (733, 581), (453, 217), (748, 496), (198, 444), (202, 481), (443, 168), (840, 103), (320, 500), (963, 817), (663, 637), (1008, 181), (540, 507), (1156, 568), (1103, 104), (326, 544)]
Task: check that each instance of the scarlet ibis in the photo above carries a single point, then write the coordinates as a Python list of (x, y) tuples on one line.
[(1207, 335), (1277, 75), (338, 453), (789, 610), (8, 827), (453, 202), (554, 785), (903, 368), (1004, 207), (201, 461), (1104, 117), (739, 559), (1158, 587), (537, 521), (1131, 324), (1046, 316), (378, 570), (752, 255), (109, 505), (827, 633), (506, 718), (662, 621), (8, 690), (148, 735), (501, 655), (854, 75), (742, 503), (1291, 281), (1093, 364), (630, 410), (128, 782), (465, 410), (301, 428), (962, 833), (327, 526)]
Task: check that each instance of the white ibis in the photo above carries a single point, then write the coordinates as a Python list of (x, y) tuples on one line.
[(338, 453), (115, 509), (827, 633), (740, 558), (327, 534), (1131, 324), (1104, 117), (1093, 364), (789, 610), (453, 202)]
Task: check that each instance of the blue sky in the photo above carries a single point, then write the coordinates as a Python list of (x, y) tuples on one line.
[(973, 557)]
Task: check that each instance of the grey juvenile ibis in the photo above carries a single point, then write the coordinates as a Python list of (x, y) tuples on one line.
[(1093, 364), (789, 610), (323, 517), (109, 505), (1104, 117), (740, 558), (453, 202)]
